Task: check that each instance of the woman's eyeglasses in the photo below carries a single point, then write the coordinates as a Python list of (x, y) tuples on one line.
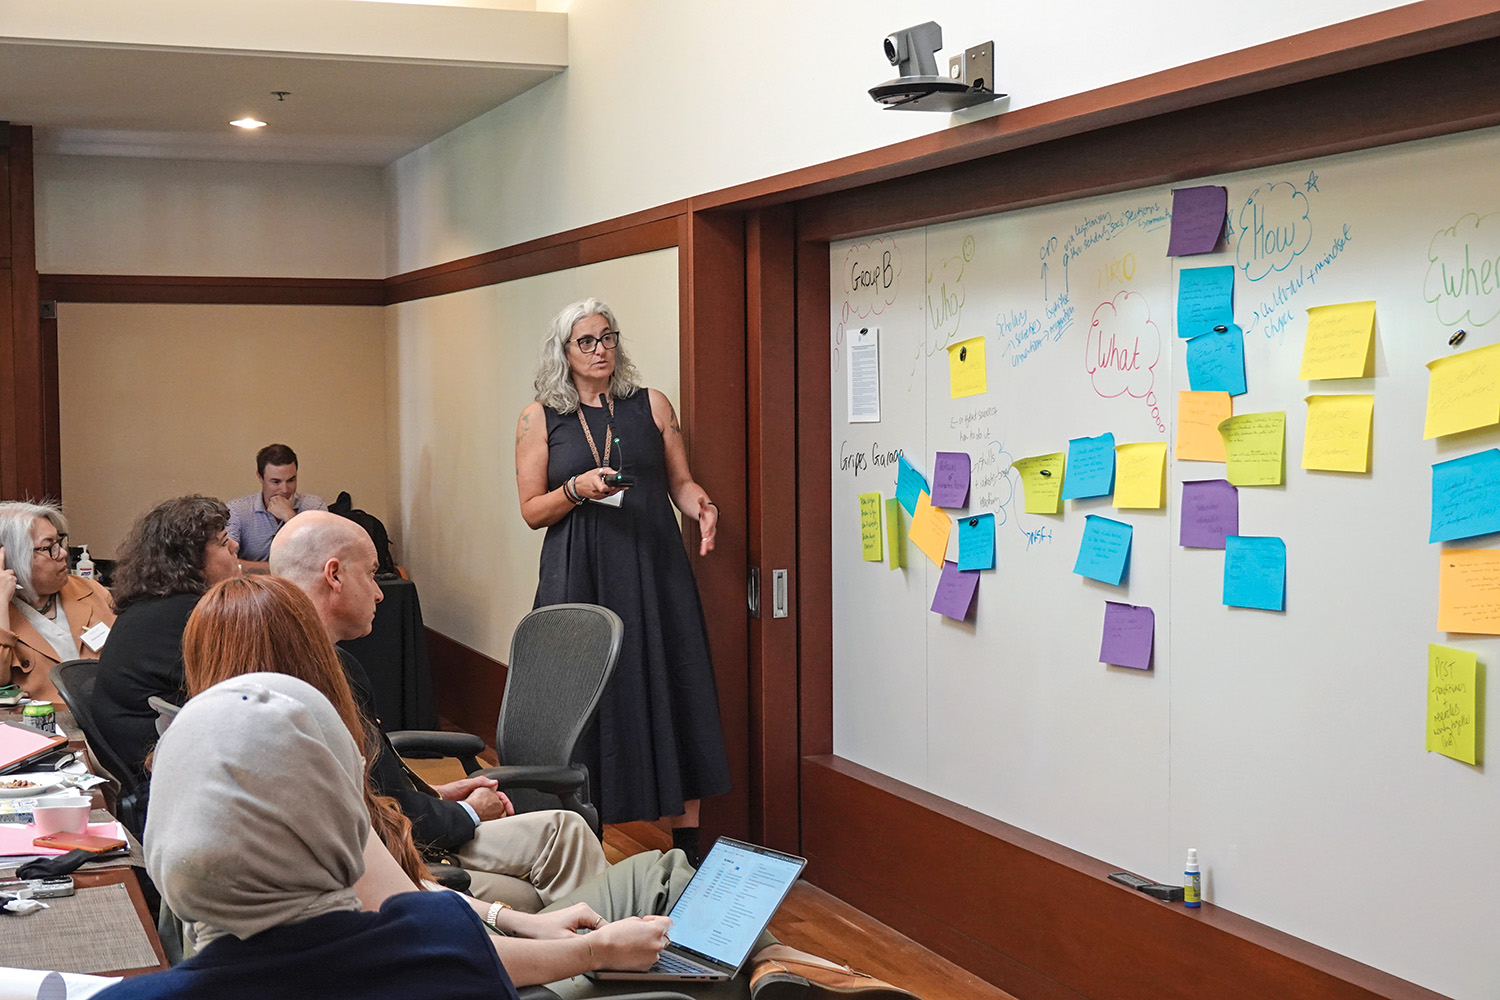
[(588, 345), (55, 550)]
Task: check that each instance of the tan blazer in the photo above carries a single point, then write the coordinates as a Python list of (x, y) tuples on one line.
[(29, 659)]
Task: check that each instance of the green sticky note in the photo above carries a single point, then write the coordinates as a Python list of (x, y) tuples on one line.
[(1452, 705), (869, 526), (893, 533)]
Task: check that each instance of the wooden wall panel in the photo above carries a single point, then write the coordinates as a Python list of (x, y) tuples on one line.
[(466, 685), (1042, 921), (772, 486), (194, 290)]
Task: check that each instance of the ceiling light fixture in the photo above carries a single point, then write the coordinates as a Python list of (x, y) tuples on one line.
[(248, 123)]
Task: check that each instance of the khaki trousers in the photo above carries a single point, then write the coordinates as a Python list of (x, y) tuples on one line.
[(532, 859)]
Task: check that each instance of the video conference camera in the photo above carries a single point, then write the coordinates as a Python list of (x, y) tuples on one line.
[(919, 87)]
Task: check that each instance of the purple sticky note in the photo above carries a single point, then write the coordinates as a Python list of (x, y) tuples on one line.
[(1128, 633), (950, 479), (955, 592), (1210, 511), (1198, 215)]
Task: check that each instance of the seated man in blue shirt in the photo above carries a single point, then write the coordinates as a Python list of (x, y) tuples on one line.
[(255, 519)]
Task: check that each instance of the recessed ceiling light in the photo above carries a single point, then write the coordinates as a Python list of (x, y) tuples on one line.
[(248, 123)]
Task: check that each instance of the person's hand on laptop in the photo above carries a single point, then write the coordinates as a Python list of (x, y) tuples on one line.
[(560, 923), (630, 945)]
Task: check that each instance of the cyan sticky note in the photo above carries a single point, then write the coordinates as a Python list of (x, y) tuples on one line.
[(1205, 299), (1216, 362), (1091, 467), (910, 484), (1466, 496), (976, 542), (1105, 550), (1255, 572)]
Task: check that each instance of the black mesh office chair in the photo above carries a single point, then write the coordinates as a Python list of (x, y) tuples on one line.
[(560, 659), (75, 680)]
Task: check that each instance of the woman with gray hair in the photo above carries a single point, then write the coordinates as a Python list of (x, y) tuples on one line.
[(656, 748), (44, 610)]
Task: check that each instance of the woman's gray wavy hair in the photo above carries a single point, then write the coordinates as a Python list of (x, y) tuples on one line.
[(16, 519), (554, 379)]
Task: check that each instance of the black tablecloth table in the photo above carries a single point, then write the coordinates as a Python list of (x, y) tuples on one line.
[(394, 654)]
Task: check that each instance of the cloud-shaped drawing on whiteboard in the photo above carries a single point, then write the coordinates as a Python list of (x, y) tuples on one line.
[(1123, 348), (1463, 271), (871, 276), (1274, 227)]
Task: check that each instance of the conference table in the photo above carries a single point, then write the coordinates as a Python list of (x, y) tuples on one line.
[(394, 654)]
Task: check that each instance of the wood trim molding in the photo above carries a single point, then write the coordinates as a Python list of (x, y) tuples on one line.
[(653, 229), (196, 290), (466, 685), (1040, 920)]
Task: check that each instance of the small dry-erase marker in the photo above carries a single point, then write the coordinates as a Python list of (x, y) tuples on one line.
[(1457, 338)]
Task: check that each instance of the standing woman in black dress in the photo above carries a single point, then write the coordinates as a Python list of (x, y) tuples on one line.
[(657, 747)]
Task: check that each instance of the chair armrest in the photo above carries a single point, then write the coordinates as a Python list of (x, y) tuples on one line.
[(434, 743), (556, 779)]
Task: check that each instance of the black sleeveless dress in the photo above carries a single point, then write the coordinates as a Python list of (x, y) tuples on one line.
[(657, 741)]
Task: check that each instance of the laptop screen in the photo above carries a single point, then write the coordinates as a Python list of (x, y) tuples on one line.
[(731, 899)]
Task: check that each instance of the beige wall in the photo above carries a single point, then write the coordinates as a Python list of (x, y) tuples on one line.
[(162, 400), (461, 369), (122, 215)]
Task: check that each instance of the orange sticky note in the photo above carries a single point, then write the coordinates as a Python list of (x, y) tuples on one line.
[(1469, 591), (1198, 417), (930, 527)]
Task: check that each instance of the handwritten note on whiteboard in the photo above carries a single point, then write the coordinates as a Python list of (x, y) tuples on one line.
[(1452, 708), (1338, 433), (1469, 591), (869, 527), (1338, 341), (1463, 392), (1254, 446)]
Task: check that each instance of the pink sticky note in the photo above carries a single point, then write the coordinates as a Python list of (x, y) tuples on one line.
[(955, 591), (950, 479), (1128, 633), (1197, 219)]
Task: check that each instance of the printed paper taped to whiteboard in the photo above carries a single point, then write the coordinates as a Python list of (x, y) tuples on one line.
[(864, 376)]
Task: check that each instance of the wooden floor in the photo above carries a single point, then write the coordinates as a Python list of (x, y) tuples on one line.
[(812, 920)]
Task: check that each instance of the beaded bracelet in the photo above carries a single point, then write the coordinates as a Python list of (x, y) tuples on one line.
[(570, 492)]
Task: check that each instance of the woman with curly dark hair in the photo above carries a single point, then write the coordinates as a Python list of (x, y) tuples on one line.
[(173, 554)]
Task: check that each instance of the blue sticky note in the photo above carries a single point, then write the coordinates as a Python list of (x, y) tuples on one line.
[(1105, 550), (1090, 471), (976, 542), (1216, 362), (910, 484), (1205, 299), (1466, 497), (1255, 572)]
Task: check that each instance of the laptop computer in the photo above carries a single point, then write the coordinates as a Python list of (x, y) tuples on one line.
[(725, 906)]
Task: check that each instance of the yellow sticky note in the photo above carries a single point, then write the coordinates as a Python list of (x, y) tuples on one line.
[(893, 536), (1198, 417), (1452, 716), (966, 374), (1338, 433), (869, 526), (1042, 481), (1338, 341), (1469, 591), (1253, 446), (929, 529), (1141, 474), (1463, 391)]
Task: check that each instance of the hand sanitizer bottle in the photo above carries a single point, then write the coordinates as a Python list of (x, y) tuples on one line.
[(85, 567), (1192, 880)]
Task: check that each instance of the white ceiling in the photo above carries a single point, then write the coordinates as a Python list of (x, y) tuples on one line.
[(368, 82)]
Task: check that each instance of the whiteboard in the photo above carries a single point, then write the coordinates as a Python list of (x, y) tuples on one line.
[(1287, 747)]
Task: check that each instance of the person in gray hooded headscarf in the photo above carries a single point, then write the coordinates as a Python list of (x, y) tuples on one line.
[(257, 832)]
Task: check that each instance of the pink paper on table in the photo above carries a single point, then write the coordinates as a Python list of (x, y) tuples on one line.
[(1197, 219), (1128, 633), (955, 591), (18, 839), (950, 479)]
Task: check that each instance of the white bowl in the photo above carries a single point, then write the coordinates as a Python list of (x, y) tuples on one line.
[(58, 815)]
